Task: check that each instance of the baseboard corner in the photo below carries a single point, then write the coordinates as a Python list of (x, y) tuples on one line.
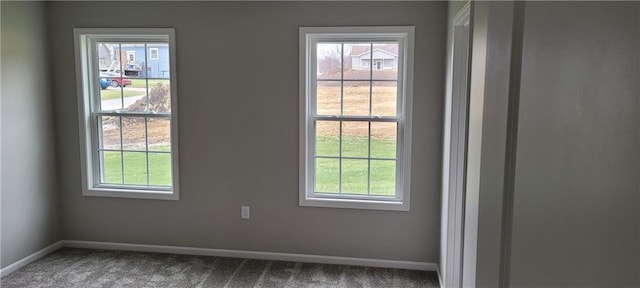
[(30, 258)]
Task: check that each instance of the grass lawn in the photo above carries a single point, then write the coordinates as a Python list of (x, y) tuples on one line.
[(135, 168), (108, 93), (356, 147), (142, 83), (355, 171)]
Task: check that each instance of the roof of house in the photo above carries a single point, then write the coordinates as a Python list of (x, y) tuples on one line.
[(357, 50)]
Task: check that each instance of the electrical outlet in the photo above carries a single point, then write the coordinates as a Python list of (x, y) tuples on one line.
[(245, 212)]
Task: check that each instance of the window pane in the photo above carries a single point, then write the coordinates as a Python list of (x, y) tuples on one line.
[(383, 139), (132, 56), (110, 97), (138, 83), (355, 139), (385, 61), (327, 175), (135, 99), (115, 79), (160, 67), (133, 133), (357, 58), (329, 60), (356, 98), (135, 168), (108, 59), (384, 98), (354, 176), (111, 167), (160, 169), (328, 138), (159, 134), (129, 73), (383, 177), (328, 97), (159, 95), (110, 132)]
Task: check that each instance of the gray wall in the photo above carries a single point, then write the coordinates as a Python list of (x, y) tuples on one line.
[(30, 212), (239, 131), (576, 213), (574, 185)]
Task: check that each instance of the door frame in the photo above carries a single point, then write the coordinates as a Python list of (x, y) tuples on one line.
[(455, 158)]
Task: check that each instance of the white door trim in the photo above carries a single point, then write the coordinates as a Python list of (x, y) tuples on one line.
[(474, 142), (455, 154)]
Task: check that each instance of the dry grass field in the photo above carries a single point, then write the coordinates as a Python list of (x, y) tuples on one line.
[(355, 100), (133, 134)]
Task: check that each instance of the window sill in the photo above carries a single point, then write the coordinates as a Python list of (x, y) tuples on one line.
[(311, 201), (132, 193)]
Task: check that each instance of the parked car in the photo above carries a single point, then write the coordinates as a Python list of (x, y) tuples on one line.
[(116, 80), (104, 83)]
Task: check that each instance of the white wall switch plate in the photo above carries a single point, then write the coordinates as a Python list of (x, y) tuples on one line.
[(245, 212)]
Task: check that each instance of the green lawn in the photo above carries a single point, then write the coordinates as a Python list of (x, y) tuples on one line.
[(114, 93), (142, 83), (135, 168), (354, 171), (355, 147)]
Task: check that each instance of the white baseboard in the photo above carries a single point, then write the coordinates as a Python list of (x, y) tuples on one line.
[(33, 257), (254, 255), (337, 260)]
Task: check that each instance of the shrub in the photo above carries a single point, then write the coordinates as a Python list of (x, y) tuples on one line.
[(159, 101), (158, 97)]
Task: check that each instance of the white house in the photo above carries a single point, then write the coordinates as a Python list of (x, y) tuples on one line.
[(385, 57)]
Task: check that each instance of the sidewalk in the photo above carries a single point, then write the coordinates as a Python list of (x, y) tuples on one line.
[(113, 104)]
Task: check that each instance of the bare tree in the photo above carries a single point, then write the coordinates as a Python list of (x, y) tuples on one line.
[(333, 56)]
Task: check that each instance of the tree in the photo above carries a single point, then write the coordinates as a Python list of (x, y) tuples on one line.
[(332, 56)]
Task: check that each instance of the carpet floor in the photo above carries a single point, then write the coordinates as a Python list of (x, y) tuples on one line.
[(101, 268)]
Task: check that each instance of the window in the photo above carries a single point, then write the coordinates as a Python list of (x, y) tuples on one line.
[(153, 54), (355, 126), (128, 121), (131, 56)]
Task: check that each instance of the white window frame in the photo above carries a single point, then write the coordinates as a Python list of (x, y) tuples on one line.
[(309, 37), (151, 54), (87, 87)]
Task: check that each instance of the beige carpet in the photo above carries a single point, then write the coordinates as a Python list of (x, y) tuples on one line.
[(100, 268)]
